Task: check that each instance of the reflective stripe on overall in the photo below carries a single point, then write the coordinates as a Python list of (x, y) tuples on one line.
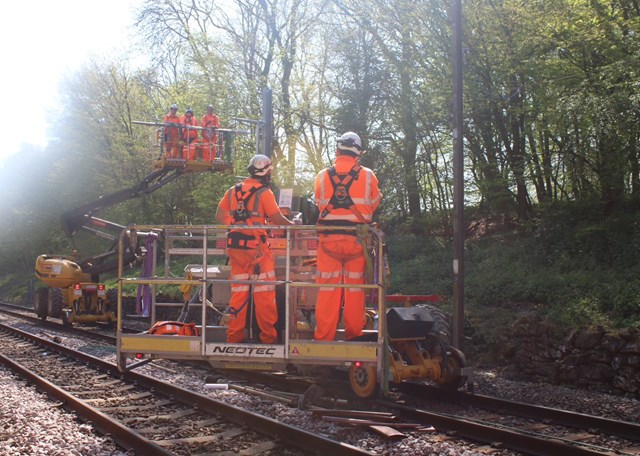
[(251, 259), (341, 255)]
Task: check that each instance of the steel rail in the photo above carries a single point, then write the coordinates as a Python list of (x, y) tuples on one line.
[(126, 437), (625, 429), (290, 435)]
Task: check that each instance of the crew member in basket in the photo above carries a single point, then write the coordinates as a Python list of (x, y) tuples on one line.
[(189, 135), (210, 122), (172, 132)]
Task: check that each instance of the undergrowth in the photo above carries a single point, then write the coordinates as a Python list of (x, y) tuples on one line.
[(569, 265)]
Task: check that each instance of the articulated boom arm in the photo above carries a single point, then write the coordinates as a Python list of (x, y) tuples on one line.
[(82, 218)]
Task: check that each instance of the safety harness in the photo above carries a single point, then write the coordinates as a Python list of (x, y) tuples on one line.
[(341, 198), (242, 214), (239, 240)]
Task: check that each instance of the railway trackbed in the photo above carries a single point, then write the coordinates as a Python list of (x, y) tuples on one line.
[(457, 415), (494, 425), (148, 415)]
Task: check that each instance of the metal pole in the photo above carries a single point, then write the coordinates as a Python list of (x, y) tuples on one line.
[(267, 118), (458, 177)]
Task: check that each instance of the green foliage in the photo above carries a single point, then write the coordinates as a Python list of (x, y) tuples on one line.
[(418, 265), (571, 265), (14, 288)]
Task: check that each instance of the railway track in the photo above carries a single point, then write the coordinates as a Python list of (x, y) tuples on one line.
[(148, 415), (98, 330), (494, 423)]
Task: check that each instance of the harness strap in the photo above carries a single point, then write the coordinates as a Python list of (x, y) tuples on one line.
[(234, 312), (254, 241), (341, 197), (242, 213)]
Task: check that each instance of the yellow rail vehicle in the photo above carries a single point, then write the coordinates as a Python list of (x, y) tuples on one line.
[(407, 344), (71, 294)]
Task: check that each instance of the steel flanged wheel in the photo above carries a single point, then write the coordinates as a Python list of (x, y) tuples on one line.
[(363, 381), (452, 379)]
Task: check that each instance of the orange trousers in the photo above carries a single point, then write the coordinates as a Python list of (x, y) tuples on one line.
[(189, 150), (264, 296), (209, 150), (343, 263), (172, 142), (173, 149)]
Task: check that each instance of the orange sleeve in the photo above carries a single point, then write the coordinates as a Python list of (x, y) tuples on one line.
[(376, 196), (225, 206), (268, 202)]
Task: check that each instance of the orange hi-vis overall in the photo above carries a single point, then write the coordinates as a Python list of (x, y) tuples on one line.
[(172, 136), (210, 136), (346, 195), (250, 203), (189, 136)]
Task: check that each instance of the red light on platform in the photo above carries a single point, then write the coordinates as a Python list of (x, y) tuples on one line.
[(358, 364), (139, 355), (101, 287), (76, 286)]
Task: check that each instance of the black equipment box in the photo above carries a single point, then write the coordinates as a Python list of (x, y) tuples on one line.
[(409, 322)]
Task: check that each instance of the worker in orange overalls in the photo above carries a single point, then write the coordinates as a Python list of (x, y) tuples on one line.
[(189, 135), (251, 202), (210, 122), (347, 194), (172, 132)]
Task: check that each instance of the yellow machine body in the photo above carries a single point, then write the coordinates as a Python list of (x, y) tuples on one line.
[(71, 294), (59, 272)]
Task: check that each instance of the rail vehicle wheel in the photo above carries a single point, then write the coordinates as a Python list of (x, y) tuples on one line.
[(65, 319), (54, 303), (451, 377), (40, 302), (363, 381)]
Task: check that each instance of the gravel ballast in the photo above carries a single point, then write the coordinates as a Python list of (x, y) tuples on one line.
[(31, 424)]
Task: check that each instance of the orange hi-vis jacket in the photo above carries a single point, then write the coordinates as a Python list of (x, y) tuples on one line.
[(259, 207), (210, 121), (250, 259), (363, 191), (172, 134), (340, 257), (188, 134)]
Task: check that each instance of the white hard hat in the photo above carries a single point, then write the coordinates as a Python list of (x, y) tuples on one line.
[(351, 142), (259, 165)]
